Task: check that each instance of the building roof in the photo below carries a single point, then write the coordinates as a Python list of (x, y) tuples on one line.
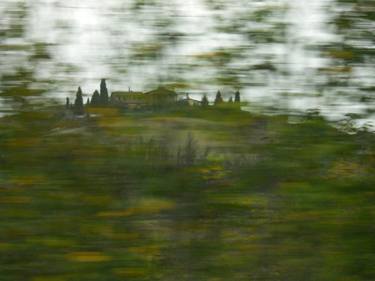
[(161, 91), (190, 99), (125, 93)]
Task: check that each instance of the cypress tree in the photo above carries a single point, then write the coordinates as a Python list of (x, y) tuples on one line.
[(204, 101), (218, 98), (67, 105), (237, 97), (103, 93), (78, 103), (95, 99), (88, 101)]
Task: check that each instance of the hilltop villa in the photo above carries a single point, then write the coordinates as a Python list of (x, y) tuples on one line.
[(158, 98), (155, 98)]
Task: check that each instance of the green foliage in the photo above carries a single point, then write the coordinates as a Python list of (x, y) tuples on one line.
[(237, 97), (199, 193), (134, 196), (204, 101), (103, 93), (218, 98), (95, 100), (78, 103)]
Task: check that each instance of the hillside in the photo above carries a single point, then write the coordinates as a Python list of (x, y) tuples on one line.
[(202, 194)]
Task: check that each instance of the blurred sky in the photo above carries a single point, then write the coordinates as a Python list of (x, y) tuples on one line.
[(268, 49)]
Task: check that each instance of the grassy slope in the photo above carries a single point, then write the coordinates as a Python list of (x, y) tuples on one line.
[(116, 197)]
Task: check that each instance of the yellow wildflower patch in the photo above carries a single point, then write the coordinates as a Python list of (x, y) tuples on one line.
[(149, 250), (15, 200), (27, 180), (49, 278), (345, 170), (130, 272), (6, 246), (87, 257), (144, 206)]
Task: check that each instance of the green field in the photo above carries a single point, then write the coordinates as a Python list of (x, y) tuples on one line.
[(195, 194)]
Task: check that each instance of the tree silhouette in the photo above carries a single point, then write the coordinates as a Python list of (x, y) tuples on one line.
[(230, 100), (218, 98), (103, 93), (204, 101), (237, 97), (95, 99), (88, 101), (78, 103), (67, 103)]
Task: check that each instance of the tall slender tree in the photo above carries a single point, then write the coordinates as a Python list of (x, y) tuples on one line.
[(237, 97), (67, 105), (230, 100), (103, 93), (218, 98), (204, 101), (78, 103), (95, 99)]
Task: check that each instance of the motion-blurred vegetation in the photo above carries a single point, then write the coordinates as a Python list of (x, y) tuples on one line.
[(194, 193)]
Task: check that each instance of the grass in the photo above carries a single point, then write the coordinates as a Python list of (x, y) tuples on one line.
[(128, 196)]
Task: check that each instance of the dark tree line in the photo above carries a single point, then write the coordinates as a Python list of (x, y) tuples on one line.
[(219, 99), (98, 99), (102, 98)]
